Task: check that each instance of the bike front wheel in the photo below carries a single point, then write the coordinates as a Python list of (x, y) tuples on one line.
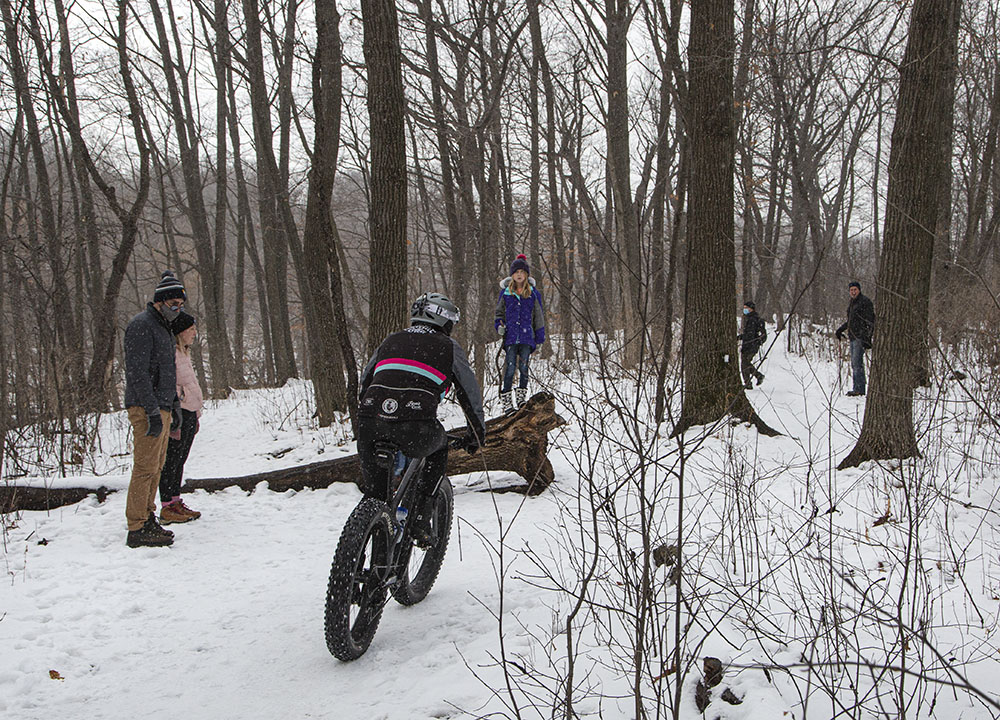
[(355, 594), (418, 567)]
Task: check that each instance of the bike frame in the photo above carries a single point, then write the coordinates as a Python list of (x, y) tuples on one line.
[(411, 469)]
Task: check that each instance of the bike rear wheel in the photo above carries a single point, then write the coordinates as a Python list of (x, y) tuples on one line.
[(418, 567), (355, 594)]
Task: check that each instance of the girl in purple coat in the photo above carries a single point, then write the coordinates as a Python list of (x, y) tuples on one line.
[(520, 321)]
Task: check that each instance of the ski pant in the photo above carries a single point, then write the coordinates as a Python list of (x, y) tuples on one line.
[(517, 356), (858, 365), (747, 367), (177, 455), (148, 454), (414, 438)]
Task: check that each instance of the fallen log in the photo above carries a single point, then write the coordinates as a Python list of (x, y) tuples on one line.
[(17, 497), (514, 443)]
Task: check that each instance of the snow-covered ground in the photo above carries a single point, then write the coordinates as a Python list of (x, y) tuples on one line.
[(790, 565)]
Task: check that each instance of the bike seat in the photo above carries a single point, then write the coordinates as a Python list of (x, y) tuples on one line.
[(385, 455)]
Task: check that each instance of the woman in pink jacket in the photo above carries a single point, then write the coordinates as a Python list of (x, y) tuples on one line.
[(173, 509)]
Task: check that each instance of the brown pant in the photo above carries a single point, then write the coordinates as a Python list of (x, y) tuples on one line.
[(148, 456)]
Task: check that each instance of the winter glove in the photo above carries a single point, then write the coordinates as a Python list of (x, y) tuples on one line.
[(155, 425), (175, 419), (175, 434), (501, 330), (840, 334), (472, 442)]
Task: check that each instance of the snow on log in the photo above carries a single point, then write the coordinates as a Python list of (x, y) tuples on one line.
[(515, 443)]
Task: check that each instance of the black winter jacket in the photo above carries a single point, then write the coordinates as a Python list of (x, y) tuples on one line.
[(753, 334), (860, 319), (150, 370), (410, 372)]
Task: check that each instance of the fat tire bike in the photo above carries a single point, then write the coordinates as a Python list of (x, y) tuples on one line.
[(377, 554)]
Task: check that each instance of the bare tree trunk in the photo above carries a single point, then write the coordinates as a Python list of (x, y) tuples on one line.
[(459, 282), (564, 283), (222, 60), (248, 237), (272, 226), (96, 390), (618, 16), (187, 142), (919, 139), (68, 341), (387, 208), (327, 371), (88, 219), (712, 385)]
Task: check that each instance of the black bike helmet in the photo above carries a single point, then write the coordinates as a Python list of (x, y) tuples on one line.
[(434, 309)]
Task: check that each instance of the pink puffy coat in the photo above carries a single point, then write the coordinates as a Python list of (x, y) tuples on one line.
[(188, 388)]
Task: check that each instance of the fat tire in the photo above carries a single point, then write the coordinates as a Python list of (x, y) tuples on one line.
[(409, 590), (357, 578)]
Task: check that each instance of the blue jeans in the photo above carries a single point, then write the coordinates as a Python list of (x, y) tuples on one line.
[(516, 354), (858, 365)]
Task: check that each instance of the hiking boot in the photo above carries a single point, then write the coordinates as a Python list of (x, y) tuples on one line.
[(507, 402), (522, 396), (147, 536), (194, 514), (421, 530), (172, 513), (155, 527), (760, 378), (854, 393), (748, 385)]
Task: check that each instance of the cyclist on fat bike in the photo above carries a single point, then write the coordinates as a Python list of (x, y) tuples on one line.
[(399, 395)]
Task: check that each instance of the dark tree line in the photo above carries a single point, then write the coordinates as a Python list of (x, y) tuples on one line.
[(307, 168)]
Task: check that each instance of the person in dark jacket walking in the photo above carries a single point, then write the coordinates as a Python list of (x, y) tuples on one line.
[(151, 401), (860, 326), (400, 390), (520, 320), (752, 336)]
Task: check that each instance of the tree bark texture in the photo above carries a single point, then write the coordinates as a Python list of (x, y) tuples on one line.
[(324, 351), (919, 138), (68, 340), (618, 16), (387, 206), (272, 226), (188, 145), (712, 384)]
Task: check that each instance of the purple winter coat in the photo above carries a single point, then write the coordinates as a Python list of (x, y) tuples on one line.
[(523, 317)]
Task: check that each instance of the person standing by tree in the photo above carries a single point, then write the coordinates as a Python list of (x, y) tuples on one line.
[(860, 326), (752, 334), (520, 321), (172, 508), (151, 401)]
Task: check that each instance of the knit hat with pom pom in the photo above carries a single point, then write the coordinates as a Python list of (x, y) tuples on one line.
[(169, 288), (520, 263)]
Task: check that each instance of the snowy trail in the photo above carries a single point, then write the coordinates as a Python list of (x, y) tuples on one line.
[(229, 621)]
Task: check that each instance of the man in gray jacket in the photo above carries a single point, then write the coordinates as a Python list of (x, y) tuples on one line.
[(151, 401)]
